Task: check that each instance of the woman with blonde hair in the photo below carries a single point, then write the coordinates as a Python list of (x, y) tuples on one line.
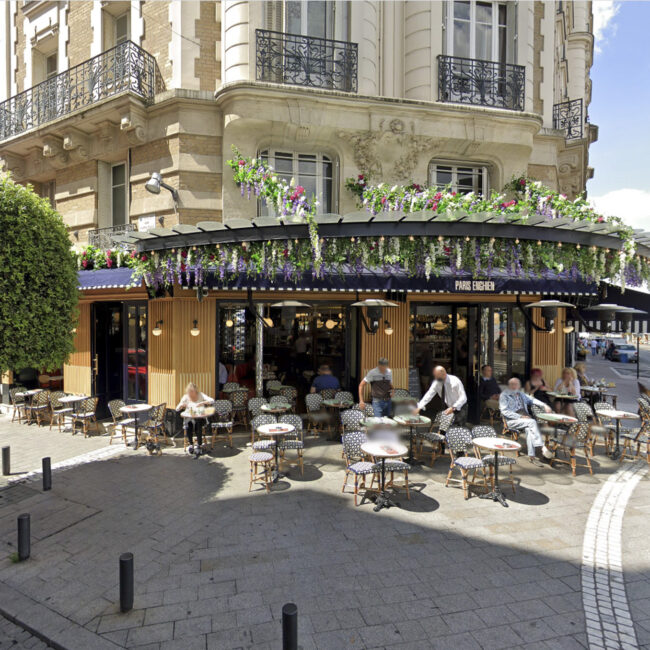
[(581, 371), (567, 384), (193, 398)]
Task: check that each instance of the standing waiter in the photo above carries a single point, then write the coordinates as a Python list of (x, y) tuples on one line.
[(451, 391)]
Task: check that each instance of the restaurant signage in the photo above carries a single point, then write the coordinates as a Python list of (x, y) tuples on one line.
[(475, 286)]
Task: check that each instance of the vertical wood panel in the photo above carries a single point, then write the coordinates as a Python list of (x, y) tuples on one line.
[(162, 374), (548, 349), (76, 372), (395, 347)]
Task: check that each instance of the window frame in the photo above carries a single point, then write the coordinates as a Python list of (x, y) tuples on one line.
[(127, 16), (269, 154), (126, 193), (495, 24), (455, 166)]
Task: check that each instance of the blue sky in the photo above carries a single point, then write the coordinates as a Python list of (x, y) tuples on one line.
[(620, 106)]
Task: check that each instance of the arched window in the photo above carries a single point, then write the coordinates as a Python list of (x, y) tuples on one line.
[(461, 177), (313, 171)]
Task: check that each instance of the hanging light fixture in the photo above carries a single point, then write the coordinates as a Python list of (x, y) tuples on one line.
[(388, 330), (229, 322), (567, 329), (461, 323), (195, 331), (157, 330), (330, 324), (606, 313), (439, 325)]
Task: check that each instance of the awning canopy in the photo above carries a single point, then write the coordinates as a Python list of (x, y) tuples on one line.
[(105, 279)]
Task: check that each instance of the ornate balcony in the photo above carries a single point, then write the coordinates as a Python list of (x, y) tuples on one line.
[(105, 237), (567, 116), (481, 83), (306, 61), (124, 68)]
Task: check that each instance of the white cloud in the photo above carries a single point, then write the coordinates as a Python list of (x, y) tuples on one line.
[(633, 206), (604, 13)]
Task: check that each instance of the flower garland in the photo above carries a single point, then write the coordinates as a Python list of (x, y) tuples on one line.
[(416, 256)]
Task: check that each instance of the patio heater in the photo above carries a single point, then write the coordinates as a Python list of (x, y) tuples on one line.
[(374, 310), (625, 317), (549, 313), (606, 314)]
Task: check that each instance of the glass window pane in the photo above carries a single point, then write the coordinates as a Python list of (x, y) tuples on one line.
[(484, 12), (307, 165), (284, 163), (461, 10), (443, 176), (294, 12), (484, 42), (119, 205), (119, 174), (317, 18), (500, 341), (461, 38)]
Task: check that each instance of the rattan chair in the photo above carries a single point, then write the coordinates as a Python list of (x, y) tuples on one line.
[(119, 421), (273, 387), (17, 403), (352, 441), (328, 393), (317, 417), (368, 411), (485, 431), (632, 440), (239, 399), (577, 437), (223, 421), (435, 436), (39, 409), (351, 419), (290, 394), (230, 385), (58, 411), (459, 442), (607, 426), (344, 396), (86, 414), (293, 440), (155, 425), (261, 468), (402, 392), (260, 420), (255, 406)]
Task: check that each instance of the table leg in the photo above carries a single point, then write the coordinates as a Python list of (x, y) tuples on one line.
[(616, 452), (135, 426), (496, 494), (276, 475), (382, 500)]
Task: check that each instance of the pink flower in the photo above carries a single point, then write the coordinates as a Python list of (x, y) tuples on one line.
[(144, 258), (84, 263), (383, 200), (211, 257), (84, 254), (109, 253), (242, 163), (299, 190), (600, 219), (133, 253), (183, 254), (109, 262), (438, 196), (522, 181), (183, 267)]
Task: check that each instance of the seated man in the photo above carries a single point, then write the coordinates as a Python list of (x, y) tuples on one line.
[(324, 379), (489, 389), (514, 404)]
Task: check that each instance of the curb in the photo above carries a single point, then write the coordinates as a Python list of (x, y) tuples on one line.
[(61, 634)]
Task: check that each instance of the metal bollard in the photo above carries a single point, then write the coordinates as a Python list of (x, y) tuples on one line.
[(24, 532), (290, 627), (126, 582), (47, 474), (6, 461)]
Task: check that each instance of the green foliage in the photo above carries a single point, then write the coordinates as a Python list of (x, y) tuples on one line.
[(38, 281)]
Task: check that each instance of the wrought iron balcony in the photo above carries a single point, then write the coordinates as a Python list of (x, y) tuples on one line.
[(481, 83), (306, 61), (567, 116), (104, 237), (125, 67)]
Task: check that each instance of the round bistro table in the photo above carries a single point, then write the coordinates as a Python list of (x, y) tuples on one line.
[(188, 414), (276, 431), (383, 450), (135, 410), (618, 416), (275, 408), (412, 422), (496, 445)]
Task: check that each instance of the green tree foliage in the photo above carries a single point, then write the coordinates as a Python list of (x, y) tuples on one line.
[(38, 281)]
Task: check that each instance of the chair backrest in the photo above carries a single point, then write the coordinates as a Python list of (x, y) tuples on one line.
[(402, 392), (88, 405), (265, 418), (313, 402), (583, 411), (578, 431), (158, 416), (12, 394), (114, 407), (294, 420), (459, 439), (444, 421), (279, 399), (230, 385), (535, 410), (328, 393), (255, 405), (344, 396), (368, 410), (273, 384), (602, 406), (42, 398), (223, 408), (483, 431), (239, 397), (351, 419), (352, 441), (290, 393), (54, 399)]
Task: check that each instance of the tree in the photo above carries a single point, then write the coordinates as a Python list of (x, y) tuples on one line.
[(38, 281)]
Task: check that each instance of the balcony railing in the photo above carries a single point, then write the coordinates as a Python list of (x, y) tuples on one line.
[(567, 116), (306, 61), (125, 67), (104, 237), (481, 83)]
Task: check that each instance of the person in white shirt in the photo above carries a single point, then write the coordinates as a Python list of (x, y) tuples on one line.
[(451, 391), (192, 399)]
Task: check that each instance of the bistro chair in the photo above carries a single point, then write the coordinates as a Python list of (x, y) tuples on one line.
[(351, 419), (328, 393), (273, 386), (155, 425), (223, 420), (352, 441), (279, 399), (640, 436), (261, 463), (459, 441), (435, 436), (606, 425), (316, 416), (57, 409), (402, 392), (260, 420), (239, 399), (86, 414), (290, 394), (367, 411), (545, 428), (293, 440), (119, 420), (485, 431), (393, 466), (17, 403), (255, 406), (491, 407), (577, 437), (344, 396), (230, 385), (584, 413), (39, 407)]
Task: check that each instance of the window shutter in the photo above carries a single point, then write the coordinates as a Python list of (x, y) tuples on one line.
[(274, 15), (511, 29)]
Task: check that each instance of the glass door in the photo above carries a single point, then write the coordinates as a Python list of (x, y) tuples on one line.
[(135, 363)]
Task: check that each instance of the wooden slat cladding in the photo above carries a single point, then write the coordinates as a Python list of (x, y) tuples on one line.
[(547, 348), (395, 347), (162, 376), (76, 372)]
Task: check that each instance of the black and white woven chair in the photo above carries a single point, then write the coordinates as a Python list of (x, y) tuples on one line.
[(273, 387), (459, 443), (328, 393), (119, 421), (317, 417), (351, 419), (435, 436), (86, 414), (239, 399), (223, 421), (485, 431), (293, 440), (264, 444), (230, 385), (352, 441), (344, 396), (39, 408), (544, 427), (605, 426), (577, 437), (632, 440), (291, 395), (255, 406), (279, 399)]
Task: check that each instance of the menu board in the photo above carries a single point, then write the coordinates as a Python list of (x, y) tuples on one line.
[(414, 383)]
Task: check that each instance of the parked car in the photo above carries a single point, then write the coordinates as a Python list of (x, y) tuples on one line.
[(624, 349)]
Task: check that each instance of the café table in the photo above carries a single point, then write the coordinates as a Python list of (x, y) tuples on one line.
[(565, 397), (403, 399), (382, 451), (592, 393), (275, 432), (73, 400), (135, 410), (203, 413), (231, 389), (412, 422), (275, 408), (496, 445), (376, 422), (339, 406), (618, 416), (28, 396), (557, 419)]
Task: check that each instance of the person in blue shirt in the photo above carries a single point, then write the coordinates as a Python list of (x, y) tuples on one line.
[(325, 379)]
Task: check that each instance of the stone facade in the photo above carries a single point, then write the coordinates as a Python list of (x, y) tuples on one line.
[(390, 129)]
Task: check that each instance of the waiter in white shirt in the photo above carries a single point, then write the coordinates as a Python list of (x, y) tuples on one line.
[(451, 391)]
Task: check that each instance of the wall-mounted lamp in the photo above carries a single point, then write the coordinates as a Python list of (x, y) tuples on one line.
[(229, 322), (388, 330), (157, 330), (195, 331), (567, 329), (154, 184)]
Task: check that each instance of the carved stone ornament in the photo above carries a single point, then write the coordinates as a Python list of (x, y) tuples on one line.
[(13, 164)]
